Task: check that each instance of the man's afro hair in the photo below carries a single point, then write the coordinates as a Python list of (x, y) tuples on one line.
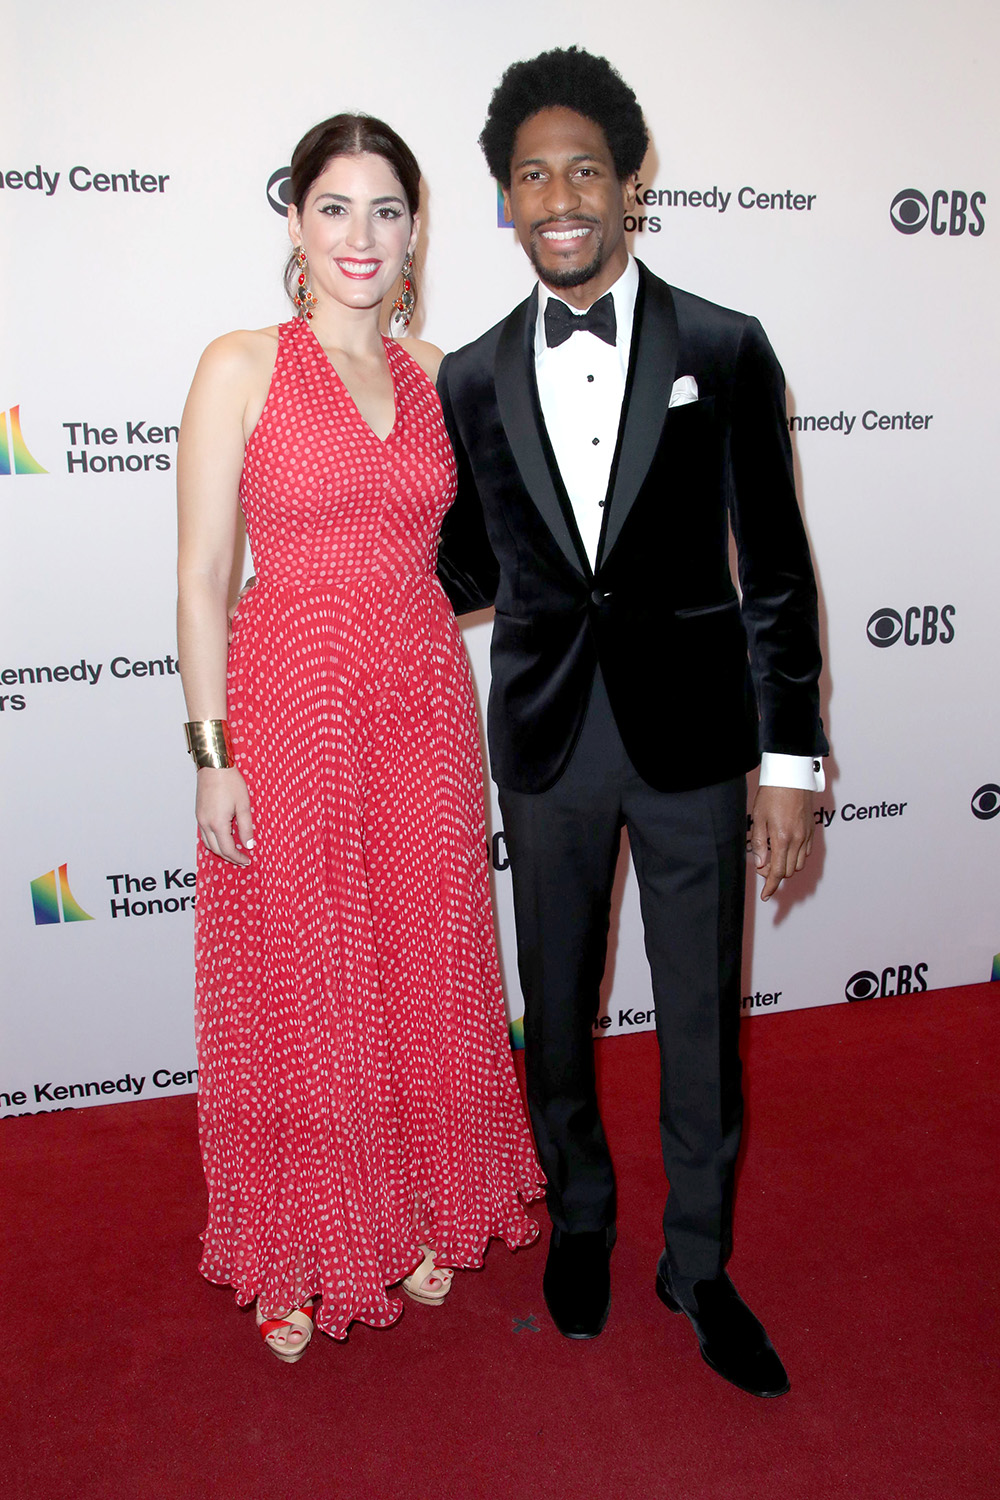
[(566, 78)]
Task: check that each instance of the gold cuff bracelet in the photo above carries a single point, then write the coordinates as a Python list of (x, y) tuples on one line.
[(210, 743)]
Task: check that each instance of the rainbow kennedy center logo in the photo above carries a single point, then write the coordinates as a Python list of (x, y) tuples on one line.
[(143, 435), (14, 449), (53, 901), (502, 220)]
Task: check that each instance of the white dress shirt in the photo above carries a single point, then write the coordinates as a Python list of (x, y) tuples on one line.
[(581, 386)]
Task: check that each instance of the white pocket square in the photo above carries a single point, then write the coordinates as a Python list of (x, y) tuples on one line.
[(683, 390)]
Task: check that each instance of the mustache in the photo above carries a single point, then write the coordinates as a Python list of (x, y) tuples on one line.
[(551, 223)]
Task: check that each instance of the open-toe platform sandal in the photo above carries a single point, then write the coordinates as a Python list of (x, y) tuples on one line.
[(274, 1332), (421, 1284)]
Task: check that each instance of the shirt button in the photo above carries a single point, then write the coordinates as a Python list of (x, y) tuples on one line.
[(595, 441), (590, 378)]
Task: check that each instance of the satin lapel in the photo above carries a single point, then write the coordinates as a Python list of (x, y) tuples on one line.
[(647, 397), (517, 399)]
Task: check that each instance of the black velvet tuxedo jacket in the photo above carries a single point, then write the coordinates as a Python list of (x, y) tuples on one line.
[(697, 678)]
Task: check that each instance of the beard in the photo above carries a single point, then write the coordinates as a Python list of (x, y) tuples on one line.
[(575, 276)]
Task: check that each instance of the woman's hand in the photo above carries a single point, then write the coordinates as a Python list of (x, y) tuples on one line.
[(223, 797)]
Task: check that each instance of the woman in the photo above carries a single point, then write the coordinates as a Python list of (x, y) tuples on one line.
[(359, 1116)]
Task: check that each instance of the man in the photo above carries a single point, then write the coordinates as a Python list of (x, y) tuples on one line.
[(600, 459)]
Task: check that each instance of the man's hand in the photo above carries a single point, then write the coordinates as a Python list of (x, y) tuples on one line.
[(782, 834), (239, 600)]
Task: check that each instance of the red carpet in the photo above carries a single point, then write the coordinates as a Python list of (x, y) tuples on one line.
[(866, 1239)]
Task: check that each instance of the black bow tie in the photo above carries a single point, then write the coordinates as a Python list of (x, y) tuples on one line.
[(561, 323)]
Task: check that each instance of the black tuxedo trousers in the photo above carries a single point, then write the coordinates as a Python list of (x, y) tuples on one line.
[(689, 853)]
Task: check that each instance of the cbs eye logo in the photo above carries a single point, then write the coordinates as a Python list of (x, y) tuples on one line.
[(919, 625), (279, 190), (986, 802), (902, 979), (948, 212), (909, 211), (862, 985), (885, 627)]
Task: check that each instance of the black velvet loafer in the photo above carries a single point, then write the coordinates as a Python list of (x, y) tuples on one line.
[(733, 1342), (577, 1281)]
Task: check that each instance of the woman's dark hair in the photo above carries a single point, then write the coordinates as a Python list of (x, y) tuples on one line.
[(565, 78), (349, 135)]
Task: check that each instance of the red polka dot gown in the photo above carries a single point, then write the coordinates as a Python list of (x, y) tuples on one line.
[(357, 1096)]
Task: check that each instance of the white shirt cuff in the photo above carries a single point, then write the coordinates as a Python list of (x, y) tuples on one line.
[(802, 771)]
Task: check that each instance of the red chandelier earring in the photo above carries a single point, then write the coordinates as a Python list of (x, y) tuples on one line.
[(303, 297), (404, 303)]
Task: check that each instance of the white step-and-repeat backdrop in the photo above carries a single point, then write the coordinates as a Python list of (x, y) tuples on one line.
[(830, 168)]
